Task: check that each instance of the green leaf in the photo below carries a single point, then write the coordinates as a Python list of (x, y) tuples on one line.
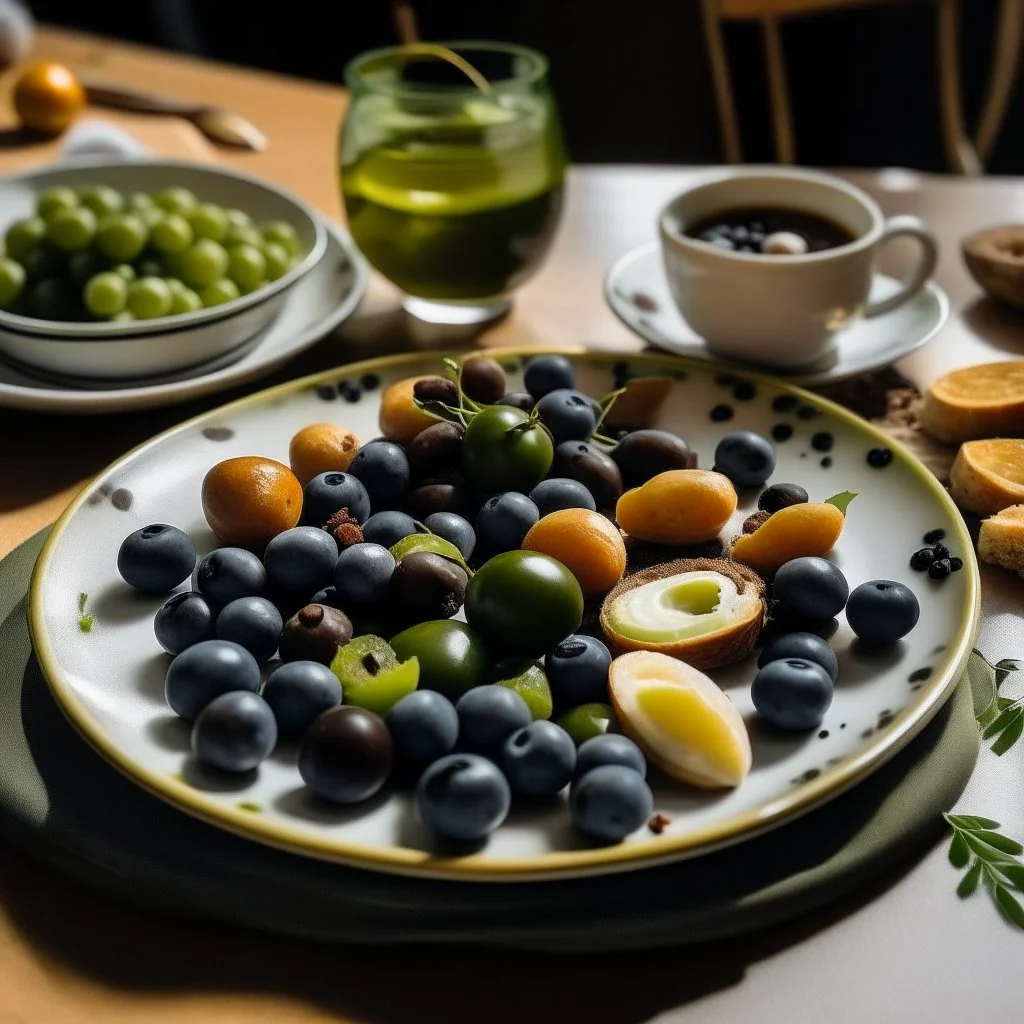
[(1009, 736), (969, 882), (82, 598), (1002, 843), (959, 851), (1012, 910), (841, 500), (1013, 873), (1004, 702), (971, 822), (1008, 664), (990, 713), (1004, 720), (85, 623)]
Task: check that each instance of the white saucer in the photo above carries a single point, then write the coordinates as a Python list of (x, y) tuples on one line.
[(325, 297), (637, 291)]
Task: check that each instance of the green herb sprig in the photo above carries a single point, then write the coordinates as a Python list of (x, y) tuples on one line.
[(85, 622), (990, 858), (1002, 717)]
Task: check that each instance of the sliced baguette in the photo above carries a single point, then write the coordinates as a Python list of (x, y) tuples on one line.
[(988, 476), (975, 402), (1001, 540)]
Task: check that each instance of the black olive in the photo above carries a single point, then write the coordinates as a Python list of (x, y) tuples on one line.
[(594, 468), (436, 448), (483, 380), (780, 496), (314, 633), (427, 586), (646, 453)]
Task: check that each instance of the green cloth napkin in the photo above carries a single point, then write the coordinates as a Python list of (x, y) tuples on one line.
[(65, 806)]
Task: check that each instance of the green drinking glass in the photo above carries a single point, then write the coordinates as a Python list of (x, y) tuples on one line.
[(453, 190)]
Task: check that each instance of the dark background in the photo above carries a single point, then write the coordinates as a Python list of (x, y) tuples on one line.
[(633, 86)]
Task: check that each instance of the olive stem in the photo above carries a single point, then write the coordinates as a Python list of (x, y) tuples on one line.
[(607, 402)]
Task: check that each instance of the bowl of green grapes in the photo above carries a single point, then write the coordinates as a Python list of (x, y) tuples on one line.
[(140, 269)]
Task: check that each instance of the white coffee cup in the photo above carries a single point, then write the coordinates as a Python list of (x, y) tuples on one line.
[(782, 310)]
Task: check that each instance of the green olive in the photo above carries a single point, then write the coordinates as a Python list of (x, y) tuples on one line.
[(505, 450), (453, 658), (529, 680), (523, 602), (586, 721)]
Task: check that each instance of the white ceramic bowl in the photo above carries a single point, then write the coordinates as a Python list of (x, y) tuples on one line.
[(147, 348)]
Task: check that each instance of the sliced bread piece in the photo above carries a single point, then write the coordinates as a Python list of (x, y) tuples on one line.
[(988, 476), (1001, 540), (975, 402)]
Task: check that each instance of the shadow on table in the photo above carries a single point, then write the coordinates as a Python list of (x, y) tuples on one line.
[(999, 325)]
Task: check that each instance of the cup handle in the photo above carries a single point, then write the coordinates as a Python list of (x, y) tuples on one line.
[(914, 227)]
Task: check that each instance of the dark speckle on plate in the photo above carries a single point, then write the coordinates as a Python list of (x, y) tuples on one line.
[(919, 675), (327, 392), (808, 412), (782, 432), (822, 441), (826, 462), (369, 381), (106, 488), (218, 433), (783, 403), (725, 380), (122, 499), (721, 413), (879, 458), (643, 301), (744, 391)]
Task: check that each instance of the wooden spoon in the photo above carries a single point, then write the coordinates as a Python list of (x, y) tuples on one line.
[(221, 126)]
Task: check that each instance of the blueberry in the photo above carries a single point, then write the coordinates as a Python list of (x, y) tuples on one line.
[(801, 645), (327, 493), (940, 568), (504, 520), (383, 469), (463, 797), (253, 623), (643, 454), (558, 493), (568, 415), (301, 560), (454, 529), (539, 759), (206, 670), (792, 693), (518, 400), (577, 671), (545, 374), (346, 755), (424, 726), (780, 496), (387, 528), (363, 572), (611, 748), (746, 458), (327, 596), (610, 802), (812, 586), (234, 732), (298, 692), (882, 611), (156, 558), (229, 573), (184, 620), (488, 715), (922, 558)]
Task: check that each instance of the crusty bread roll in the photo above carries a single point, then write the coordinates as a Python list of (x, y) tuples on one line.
[(1001, 540)]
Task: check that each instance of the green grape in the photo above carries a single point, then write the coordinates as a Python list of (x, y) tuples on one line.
[(43, 262), (125, 314), (176, 285), (246, 267), (219, 292), (138, 202), (152, 216), (282, 233), (204, 263), (102, 200), (51, 299), (208, 221), (149, 297), (243, 235), (126, 270), (277, 260), (106, 294), (121, 237), (238, 218), (175, 200), (185, 300), (171, 234), (53, 199), (72, 230), (12, 282), (23, 236), (149, 268), (85, 264)]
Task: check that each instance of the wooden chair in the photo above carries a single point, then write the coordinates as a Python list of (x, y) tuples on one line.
[(963, 156)]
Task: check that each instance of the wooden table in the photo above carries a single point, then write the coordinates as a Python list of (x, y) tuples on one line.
[(916, 955)]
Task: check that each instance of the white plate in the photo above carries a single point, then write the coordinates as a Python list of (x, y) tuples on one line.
[(637, 291), (315, 306), (110, 681)]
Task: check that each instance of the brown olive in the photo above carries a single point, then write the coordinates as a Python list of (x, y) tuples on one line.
[(314, 633), (643, 454), (580, 460), (519, 400), (780, 496), (429, 498), (346, 755), (427, 586), (436, 389), (483, 380), (436, 448)]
